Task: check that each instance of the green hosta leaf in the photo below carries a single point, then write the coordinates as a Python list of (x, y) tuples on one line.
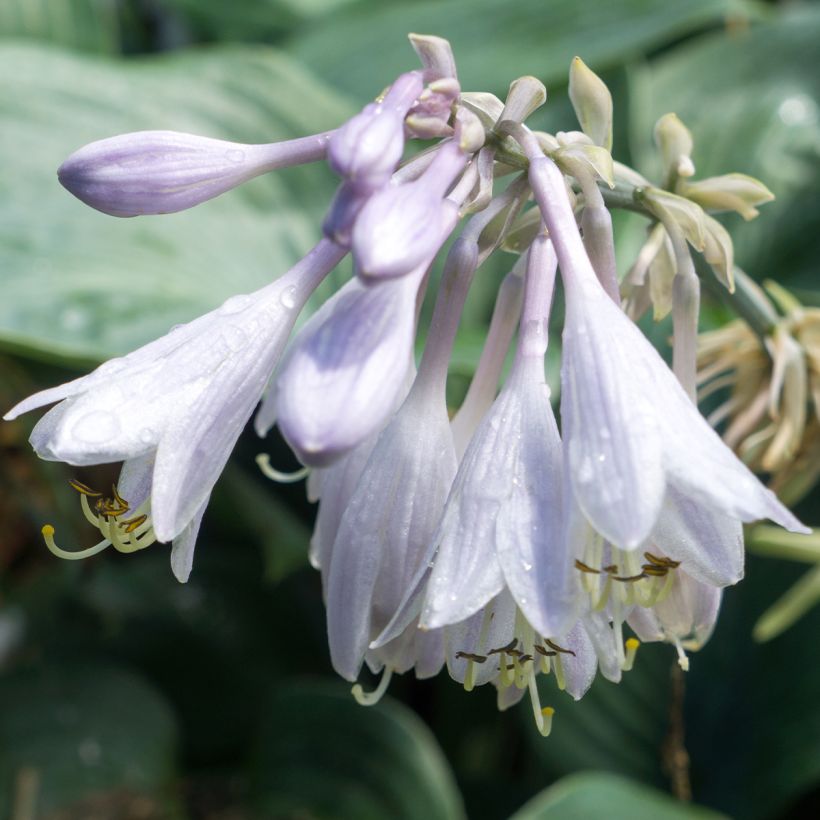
[(323, 756), (494, 42), (81, 284), (86, 25), (68, 733), (585, 796), (249, 19), (770, 130)]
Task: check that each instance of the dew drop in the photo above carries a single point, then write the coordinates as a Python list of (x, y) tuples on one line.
[(96, 427), (234, 304), (234, 337), (288, 298), (147, 435), (235, 155), (585, 470)]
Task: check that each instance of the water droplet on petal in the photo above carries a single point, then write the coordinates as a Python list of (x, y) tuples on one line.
[(234, 337), (148, 435), (235, 155), (234, 304), (288, 298), (96, 427)]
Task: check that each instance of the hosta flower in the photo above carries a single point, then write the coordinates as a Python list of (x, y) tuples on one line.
[(502, 526), (385, 531), (159, 172), (631, 433), (345, 368), (402, 227), (173, 409)]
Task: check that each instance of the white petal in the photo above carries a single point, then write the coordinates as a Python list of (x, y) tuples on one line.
[(708, 543), (580, 668), (387, 527), (529, 535), (610, 429), (466, 573), (182, 550)]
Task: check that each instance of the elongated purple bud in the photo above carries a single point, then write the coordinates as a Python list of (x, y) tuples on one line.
[(160, 172), (401, 227), (368, 147)]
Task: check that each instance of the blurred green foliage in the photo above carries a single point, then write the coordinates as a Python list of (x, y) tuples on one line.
[(126, 695)]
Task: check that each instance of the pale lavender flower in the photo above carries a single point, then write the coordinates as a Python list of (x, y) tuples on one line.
[(387, 526), (160, 172), (631, 433), (402, 227), (174, 408), (345, 368), (502, 523), (368, 147)]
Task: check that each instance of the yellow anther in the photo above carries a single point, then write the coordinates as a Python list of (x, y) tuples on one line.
[(545, 724), (632, 645), (83, 489), (133, 523), (70, 555)]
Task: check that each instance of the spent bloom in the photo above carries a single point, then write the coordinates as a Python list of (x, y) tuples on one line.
[(488, 539)]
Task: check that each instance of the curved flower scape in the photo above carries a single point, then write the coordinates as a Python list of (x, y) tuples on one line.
[(500, 543)]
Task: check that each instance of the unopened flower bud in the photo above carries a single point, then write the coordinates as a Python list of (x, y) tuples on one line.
[(367, 148), (689, 215), (526, 94), (592, 103), (401, 227), (675, 143), (436, 56), (160, 172), (729, 192)]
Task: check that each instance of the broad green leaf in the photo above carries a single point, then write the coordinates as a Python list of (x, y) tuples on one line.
[(77, 283), (249, 19), (69, 732), (323, 756), (363, 46), (85, 25), (586, 796), (752, 102)]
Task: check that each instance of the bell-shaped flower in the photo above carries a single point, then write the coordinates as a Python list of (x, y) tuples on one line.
[(391, 517), (497, 645), (502, 524), (402, 227), (632, 435), (180, 402), (368, 147), (160, 172), (342, 374)]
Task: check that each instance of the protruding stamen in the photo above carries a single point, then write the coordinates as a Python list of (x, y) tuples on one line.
[(71, 555), (133, 523), (683, 660), (372, 698), (632, 645), (263, 462), (543, 717), (83, 489)]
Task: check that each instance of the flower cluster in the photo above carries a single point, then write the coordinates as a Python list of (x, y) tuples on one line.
[(492, 541)]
